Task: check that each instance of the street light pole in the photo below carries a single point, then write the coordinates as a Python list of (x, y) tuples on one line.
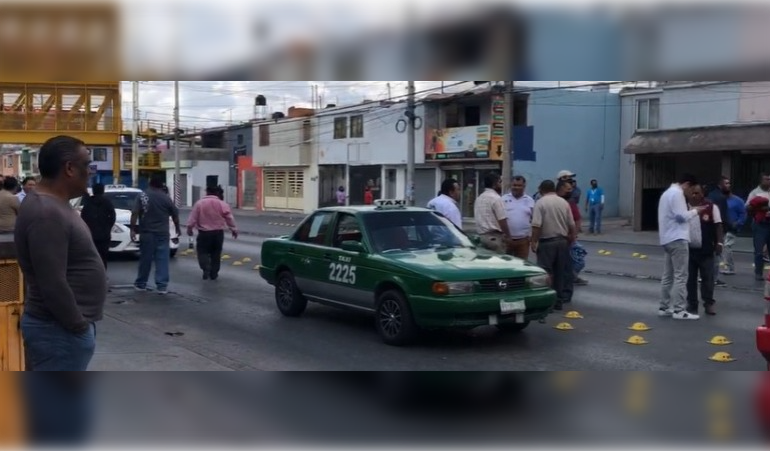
[(411, 145), (135, 138), (508, 145), (178, 169)]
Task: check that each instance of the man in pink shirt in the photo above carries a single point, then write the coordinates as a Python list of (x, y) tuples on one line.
[(211, 216)]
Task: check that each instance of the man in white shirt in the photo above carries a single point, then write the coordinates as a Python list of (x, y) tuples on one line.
[(489, 212), (27, 185), (674, 229), (446, 202), (518, 208)]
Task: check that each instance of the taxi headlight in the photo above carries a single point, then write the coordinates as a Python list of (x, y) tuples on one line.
[(542, 281), (452, 288)]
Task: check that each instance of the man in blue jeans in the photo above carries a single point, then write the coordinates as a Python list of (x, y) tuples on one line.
[(66, 291), (152, 211), (595, 207)]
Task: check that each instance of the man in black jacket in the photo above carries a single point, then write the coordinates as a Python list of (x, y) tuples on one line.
[(99, 214)]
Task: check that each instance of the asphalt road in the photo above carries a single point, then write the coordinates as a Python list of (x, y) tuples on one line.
[(232, 323)]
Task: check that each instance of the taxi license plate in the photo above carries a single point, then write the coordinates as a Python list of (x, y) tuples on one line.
[(510, 307)]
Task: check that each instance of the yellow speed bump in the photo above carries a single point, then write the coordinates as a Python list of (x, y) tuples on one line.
[(602, 252), (573, 315), (640, 327), (720, 341), (564, 327), (636, 254), (246, 260), (256, 268), (237, 263), (722, 357), (636, 340), (225, 257), (643, 257)]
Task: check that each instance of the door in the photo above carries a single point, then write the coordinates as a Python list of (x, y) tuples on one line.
[(309, 251), (349, 279)]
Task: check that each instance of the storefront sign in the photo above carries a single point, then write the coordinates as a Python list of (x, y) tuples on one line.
[(497, 138), (458, 143)]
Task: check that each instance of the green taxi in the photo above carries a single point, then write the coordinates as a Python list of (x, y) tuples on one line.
[(411, 267)]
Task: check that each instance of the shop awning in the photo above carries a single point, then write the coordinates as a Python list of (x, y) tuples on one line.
[(722, 138)]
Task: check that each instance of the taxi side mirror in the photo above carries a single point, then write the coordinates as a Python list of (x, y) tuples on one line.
[(353, 246)]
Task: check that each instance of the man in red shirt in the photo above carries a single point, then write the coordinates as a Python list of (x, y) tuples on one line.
[(211, 216), (368, 196)]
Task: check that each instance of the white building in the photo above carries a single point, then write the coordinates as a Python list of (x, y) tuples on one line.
[(199, 168), (364, 145)]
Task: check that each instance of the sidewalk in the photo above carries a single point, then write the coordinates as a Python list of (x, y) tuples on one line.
[(615, 230)]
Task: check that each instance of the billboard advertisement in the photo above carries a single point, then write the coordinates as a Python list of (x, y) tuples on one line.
[(463, 143)]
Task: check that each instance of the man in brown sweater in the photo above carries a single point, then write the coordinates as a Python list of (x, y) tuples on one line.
[(65, 275), (9, 205)]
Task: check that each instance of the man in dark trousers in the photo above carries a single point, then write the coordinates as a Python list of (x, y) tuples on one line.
[(211, 216), (553, 233), (705, 246), (99, 215)]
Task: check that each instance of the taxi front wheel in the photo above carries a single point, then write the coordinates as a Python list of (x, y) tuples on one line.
[(288, 298), (394, 320)]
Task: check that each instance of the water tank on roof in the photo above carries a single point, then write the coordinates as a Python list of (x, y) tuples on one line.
[(331, 105), (260, 100), (278, 115)]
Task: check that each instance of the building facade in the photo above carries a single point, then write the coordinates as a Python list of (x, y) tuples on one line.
[(708, 129), (199, 168)]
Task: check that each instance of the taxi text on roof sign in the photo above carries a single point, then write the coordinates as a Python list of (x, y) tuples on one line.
[(390, 203)]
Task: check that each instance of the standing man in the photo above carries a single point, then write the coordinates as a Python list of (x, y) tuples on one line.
[(99, 215), (718, 196), (569, 176), (553, 232), (674, 229), (65, 276), (595, 207), (9, 205), (211, 216), (446, 202), (705, 245), (564, 190), (518, 209), (733, 222), (27, 185), (491, 221), (757, 208), (152, 211)]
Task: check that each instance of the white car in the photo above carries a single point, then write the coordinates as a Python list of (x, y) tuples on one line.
[(123, 199)]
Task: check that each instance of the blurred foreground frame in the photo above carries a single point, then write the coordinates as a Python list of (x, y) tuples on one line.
[(64, 41)]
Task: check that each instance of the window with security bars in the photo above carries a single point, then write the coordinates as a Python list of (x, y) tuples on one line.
[(296, 182), (275, 184)]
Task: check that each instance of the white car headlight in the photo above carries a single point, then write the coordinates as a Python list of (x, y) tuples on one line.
[(542, 281)]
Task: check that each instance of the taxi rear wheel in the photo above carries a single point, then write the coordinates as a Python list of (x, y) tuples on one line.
[(288, 298), (394, 320)]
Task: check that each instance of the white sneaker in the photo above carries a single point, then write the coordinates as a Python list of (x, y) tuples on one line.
[(685, 315), (665, 313)]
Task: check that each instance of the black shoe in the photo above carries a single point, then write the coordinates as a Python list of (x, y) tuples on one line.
[(558, 306), (214, 276), (720, 283), (205, 276)]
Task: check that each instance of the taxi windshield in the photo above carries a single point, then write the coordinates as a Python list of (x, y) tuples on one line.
[(398, 231), (122, 200)]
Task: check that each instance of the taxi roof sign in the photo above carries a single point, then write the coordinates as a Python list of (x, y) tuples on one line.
[(390, 204), (115, 187)]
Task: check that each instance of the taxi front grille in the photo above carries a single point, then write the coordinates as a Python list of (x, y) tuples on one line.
[(501, 285)]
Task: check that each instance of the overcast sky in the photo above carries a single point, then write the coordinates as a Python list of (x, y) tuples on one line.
[(206, 104)]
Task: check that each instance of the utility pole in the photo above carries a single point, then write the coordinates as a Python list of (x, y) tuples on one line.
[(135, 139), (411, 145), (178, 172), (390, 94), (508, 145)]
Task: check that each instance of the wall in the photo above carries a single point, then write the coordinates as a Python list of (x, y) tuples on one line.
[(576, 131), (286, 146), (753, 102), (680, 107), (104, 165), (381, 143), (231, 143)]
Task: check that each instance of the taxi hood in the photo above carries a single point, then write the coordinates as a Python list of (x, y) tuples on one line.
[(463, 264)]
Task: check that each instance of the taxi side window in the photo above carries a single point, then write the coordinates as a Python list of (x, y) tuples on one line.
[(347, 229), (315, 229)]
